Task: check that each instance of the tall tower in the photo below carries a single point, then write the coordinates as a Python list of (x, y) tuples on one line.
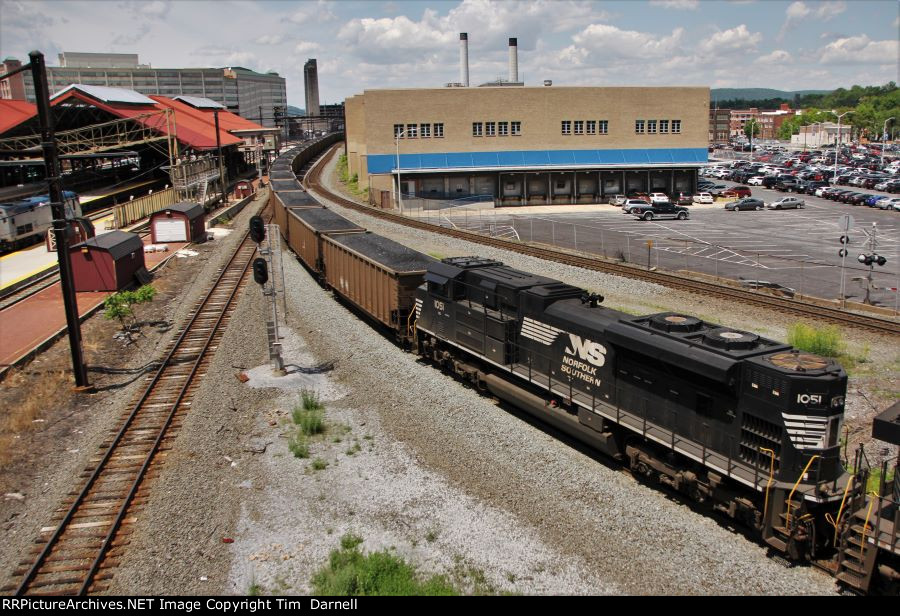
[(311, 84)]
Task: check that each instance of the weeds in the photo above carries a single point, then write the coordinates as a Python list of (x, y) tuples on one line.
[(298, 446), (826, 341), (255, 589), (319, 464), (353, 449), (350, 181), (431, 536), (351, 573), (308, 414)]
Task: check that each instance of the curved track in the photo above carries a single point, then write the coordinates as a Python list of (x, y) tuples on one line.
[(73, 555), (820, 313)]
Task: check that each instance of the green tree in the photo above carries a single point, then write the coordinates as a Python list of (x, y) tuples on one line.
[(751, 129), (120, 307)]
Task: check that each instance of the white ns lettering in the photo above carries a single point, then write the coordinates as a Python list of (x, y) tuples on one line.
[(809, 399), (439, 305), (592, 352)]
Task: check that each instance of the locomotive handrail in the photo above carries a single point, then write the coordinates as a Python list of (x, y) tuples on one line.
[(837, 520), (787, 522), (771, 453), (865, 529)]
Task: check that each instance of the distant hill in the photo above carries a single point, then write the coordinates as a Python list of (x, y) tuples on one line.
[(295, 111), (726, 94)]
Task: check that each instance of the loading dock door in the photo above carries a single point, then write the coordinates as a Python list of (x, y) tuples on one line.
[(170, 230)]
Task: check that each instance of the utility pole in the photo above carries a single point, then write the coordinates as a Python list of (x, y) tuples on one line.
[(219, 149), (60, 225)]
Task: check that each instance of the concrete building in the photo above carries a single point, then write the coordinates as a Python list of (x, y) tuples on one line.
[(739, 119), (311, 87), (719, 125), (14, 87), (527, 145), (821, 133), (250, 94), (770, 121)]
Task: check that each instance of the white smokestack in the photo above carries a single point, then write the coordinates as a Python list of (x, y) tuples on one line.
[(464, 59), (513, 61)]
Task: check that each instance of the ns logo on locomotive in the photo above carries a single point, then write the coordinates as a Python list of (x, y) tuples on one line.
[(747, 425)]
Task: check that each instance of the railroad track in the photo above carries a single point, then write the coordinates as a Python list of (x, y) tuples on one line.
[(701, 287), (87, 535)]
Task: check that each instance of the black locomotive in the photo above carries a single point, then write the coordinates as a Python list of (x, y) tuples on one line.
[(700, 407)]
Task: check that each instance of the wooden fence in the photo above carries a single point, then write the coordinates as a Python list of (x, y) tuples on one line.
[(142, 207)]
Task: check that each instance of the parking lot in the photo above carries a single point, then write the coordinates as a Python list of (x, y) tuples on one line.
[(796, 249)]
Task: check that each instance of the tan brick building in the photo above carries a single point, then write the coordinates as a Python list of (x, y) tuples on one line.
[(528, 145)]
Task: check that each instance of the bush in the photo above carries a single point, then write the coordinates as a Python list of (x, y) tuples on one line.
[(310, 400), (350, 573), (319, 464), (826, 341)]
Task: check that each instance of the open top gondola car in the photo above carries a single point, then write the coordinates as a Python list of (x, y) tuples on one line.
[(307, 226), (377, 275), (747, 424)]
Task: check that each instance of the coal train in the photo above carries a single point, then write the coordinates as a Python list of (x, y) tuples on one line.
[(748, 426)]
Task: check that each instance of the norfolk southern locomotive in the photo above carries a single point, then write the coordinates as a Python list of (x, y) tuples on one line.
[(699, 407)]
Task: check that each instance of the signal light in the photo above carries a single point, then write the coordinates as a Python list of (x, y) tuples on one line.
[(842, 252), (880, 260), (862, 259), (845, 239), (260, 271), (257, 229)]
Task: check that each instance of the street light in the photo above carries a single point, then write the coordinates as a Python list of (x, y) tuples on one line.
[(397, 138), (884, 139), (837, 147)]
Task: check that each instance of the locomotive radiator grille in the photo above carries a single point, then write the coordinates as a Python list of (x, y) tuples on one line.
[(757, 433)]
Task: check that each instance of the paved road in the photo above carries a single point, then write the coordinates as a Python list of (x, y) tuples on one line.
[(794, 248)]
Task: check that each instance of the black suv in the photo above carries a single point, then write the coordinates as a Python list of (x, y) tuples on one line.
[(660, 210), (786, 185)]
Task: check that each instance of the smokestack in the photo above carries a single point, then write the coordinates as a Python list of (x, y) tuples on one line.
[(464, 59), (513, 61)]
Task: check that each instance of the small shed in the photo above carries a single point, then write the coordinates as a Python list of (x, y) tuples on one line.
[(179, 222), (108, 262)]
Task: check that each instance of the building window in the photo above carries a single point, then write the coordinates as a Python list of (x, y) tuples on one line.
[(411, 131), (591, 127), (604, 127), (651, 126), (676, 126), (425, 130), (398, 131), (516, 128), (663, 126), (639, 127), (477, 129), (490, 129), (503, 128), (579, 127), (566, 127), (439, 130)]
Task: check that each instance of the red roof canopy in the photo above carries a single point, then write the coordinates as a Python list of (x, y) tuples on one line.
[(13, 113), (193, 127)]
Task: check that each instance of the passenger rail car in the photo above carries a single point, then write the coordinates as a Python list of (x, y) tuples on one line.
[(27, 220), (745, 425)]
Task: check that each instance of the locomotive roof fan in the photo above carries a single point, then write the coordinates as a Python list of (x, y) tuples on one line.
[(798, 361), (729, 339), (675, 323)]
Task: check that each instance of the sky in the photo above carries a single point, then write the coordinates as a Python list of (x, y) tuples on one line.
[(796, 45)]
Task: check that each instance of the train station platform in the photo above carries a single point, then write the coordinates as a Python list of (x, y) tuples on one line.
[(24, 326)]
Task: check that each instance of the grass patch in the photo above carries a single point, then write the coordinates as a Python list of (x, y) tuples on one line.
[(350, 181), (353, 449), (308, 414), (350, 573), (255, 590), (298, 446), (826, 341), (431, 536), (437, 255), (319, 464)]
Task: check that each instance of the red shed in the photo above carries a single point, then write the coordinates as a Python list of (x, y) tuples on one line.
[(107, 262), (179, 222)]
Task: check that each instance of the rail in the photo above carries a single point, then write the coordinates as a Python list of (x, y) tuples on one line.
[(668, 279), (190, 348)]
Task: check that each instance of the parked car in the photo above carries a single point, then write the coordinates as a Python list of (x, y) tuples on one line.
[(756, 180), (684, 199), (749, 203), (888, 203), (872, 200), (814, 186), (658, 198), (704, 197), (786, 185), (736, 191), (618, 200), (638, 195), (659, 210), (786, 203)]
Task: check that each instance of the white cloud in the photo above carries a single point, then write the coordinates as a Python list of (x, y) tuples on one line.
[(609, 41), (680, 5), (779, 56), (860, 50), (733, 40), (269, 39), (799, 11), (306, 47), (157, 8), (313, 13)]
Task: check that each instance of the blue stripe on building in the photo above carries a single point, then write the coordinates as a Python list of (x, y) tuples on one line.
[(536, 159)]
